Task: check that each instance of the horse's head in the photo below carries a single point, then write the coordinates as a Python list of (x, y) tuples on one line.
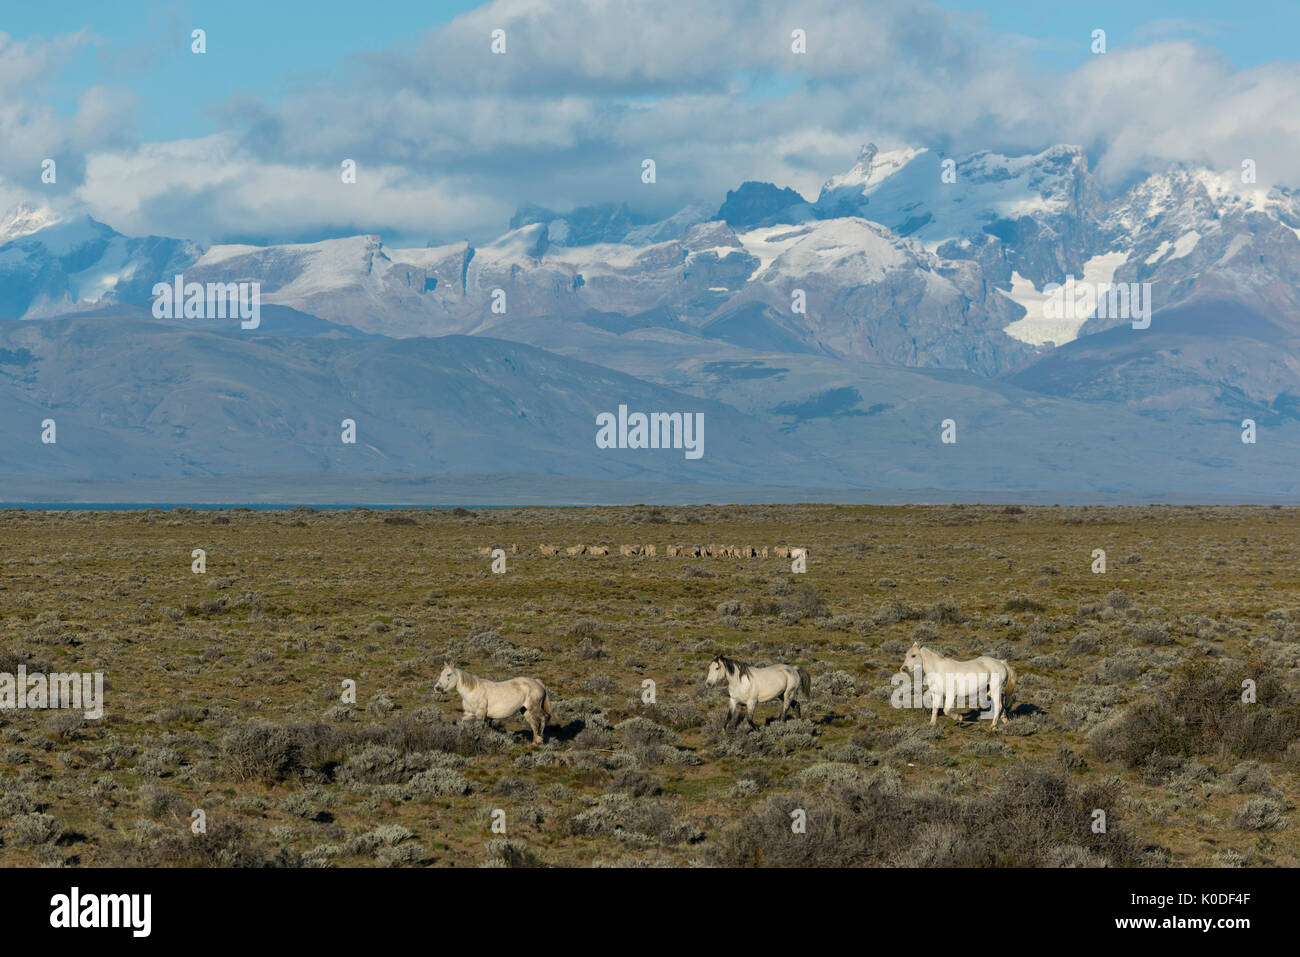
[(446, 680), (912, 660), (717, 671)]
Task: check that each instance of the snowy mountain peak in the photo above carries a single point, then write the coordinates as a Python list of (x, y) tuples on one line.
[(23, 220), (1197, 190), (871, 168)]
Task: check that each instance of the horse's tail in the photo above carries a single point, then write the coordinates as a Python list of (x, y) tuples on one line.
[(546, 703), (1010, 686), (805, 682)]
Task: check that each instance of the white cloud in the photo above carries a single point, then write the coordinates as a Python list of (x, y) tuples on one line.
[(450, 138), (210, 189), (31, 130)]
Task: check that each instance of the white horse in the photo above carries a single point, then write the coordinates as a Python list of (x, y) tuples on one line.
[(750, 686), (978, 680), (493, 700)]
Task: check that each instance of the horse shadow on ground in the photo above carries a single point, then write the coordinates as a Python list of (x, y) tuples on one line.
[(971, 716), (563, 732), (819, 717), (554, 731), (1024, 710)]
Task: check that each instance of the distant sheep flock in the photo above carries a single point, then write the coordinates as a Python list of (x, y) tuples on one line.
[(673, 551)]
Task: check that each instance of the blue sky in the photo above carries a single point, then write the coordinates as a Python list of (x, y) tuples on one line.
[(261, 47), (244, 143), (267, 49), (1247, 33)]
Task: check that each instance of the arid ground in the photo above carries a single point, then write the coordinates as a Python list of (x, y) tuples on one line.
[(1156, 714)]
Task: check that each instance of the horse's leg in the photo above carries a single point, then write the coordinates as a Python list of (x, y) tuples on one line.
[(950, 702), (749, 710), (731, 714), (798, 711), (541, 721), (533, 723), (996, 695)]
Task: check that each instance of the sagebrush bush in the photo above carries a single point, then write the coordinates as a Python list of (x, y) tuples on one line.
[(1028, 818), (29, 830), (636, 819), (1200, 711), (259, 750), (225, 843), (503, 852), (437, 782), (1260, 814)]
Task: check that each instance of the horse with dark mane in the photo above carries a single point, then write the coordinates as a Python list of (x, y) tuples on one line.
[(750, 685)]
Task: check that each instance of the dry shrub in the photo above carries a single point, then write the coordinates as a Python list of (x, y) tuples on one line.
[(1024, 820), (225, 843), (1200, 711), (261, 751)]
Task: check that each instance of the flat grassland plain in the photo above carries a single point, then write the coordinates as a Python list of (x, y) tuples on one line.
[(224, 690)]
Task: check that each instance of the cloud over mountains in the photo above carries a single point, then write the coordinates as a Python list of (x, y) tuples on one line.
[(450, 138)]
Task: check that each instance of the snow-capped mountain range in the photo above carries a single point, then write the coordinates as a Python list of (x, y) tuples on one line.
[(928, 272)]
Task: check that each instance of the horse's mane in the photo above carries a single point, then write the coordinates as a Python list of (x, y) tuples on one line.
[(732, 666), (468, 680)]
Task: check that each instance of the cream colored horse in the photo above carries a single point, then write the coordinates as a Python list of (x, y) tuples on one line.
[(976, 680), (751, 686), (493, 700)]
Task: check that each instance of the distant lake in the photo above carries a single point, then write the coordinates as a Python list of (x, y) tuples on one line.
[(168, 506)]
